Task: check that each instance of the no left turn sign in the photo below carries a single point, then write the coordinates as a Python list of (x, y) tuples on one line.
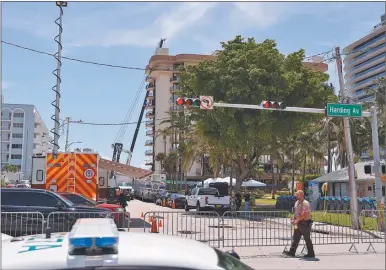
[(206, 102)]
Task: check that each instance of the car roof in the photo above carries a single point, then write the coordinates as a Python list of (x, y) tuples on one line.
[(26, 190), (36, 252)]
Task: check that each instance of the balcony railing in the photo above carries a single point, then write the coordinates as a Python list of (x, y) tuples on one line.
[(148, 142), (149, 115), (149, 162), (149, 133), (149, 152), (150, 86)]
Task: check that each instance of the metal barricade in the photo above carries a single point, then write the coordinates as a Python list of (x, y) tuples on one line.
[(203, 226), (63, 221), (373, 227), (22, 223), (256, 228), (334, 227)]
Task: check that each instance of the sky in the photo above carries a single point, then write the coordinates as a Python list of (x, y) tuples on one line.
[(126, 34)]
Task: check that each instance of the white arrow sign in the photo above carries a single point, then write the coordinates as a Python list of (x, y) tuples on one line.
[(206, 102)]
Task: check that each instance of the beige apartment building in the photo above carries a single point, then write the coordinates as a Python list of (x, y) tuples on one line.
[(163, 80)]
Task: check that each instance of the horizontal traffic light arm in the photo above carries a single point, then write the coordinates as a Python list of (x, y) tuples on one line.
[(288, 109)]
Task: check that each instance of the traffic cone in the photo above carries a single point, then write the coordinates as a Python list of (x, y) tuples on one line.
[(142, 215), (160, 223), (154, 227), (173, 205)]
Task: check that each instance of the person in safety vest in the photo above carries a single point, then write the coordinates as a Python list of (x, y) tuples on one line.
[(302, 223)]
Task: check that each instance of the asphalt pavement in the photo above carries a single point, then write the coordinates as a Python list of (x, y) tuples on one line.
[(267, 244)]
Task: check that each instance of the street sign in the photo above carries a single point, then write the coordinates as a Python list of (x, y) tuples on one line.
[(206, 102), (344, 110)]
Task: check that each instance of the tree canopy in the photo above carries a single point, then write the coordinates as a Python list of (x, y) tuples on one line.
[(248, 72)]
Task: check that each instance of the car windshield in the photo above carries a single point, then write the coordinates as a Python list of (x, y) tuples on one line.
[(70, 203), (77, 199), (208, 191)]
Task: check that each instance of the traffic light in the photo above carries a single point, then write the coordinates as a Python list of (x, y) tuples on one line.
[(194, 102), (273, 105)]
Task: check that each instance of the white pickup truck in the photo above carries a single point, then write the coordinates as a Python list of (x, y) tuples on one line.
[(203, 199)]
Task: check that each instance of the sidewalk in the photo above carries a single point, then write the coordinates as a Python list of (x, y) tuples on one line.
[(327, 257)]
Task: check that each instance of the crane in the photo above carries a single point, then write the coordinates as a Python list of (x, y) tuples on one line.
[(118, 147)]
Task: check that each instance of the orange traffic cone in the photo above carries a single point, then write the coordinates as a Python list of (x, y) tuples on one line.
[(154, 227), (142, 215), (160, 223), (173, 205)]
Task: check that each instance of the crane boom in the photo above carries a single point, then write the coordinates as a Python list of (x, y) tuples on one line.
[(137, 130)]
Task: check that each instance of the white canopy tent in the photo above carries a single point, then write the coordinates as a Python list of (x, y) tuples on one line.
[(253, 183), (227, 180)]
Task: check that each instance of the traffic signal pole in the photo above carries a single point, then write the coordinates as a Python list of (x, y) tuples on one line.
[(350, 154)]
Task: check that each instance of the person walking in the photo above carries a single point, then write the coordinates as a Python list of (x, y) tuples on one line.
[(302, 223), (247, 198), (123, 201), (238, 200)]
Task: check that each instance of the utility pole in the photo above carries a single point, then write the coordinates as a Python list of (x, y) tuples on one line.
[(350, 155), (68, 120), (56, 88)]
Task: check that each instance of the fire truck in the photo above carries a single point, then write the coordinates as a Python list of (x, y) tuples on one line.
[(69, 172), (83, 173)]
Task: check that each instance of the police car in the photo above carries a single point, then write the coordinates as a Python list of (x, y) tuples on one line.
[(97, 244)]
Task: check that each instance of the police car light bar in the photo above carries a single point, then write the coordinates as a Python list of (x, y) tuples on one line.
[(94, 233)]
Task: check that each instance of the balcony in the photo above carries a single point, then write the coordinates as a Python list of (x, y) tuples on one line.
[(149, 143), (150, 115), (150, 87), (175, 79), (149, 162), (149, 124), (150, 96), (174, 88), (149, 152), (149, 133), (149, 79), (149, 106)]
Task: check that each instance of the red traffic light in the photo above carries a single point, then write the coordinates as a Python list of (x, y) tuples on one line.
[(180, 101), (266, 104)]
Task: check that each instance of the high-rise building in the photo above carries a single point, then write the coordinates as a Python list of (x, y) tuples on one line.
[(23, 134), (365, 63), (163, 80)]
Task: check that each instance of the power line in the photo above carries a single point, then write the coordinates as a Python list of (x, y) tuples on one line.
[(115, 124), (73, 59), (111, 65)]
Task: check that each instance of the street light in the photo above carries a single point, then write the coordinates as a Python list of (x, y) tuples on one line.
[(68, 146)]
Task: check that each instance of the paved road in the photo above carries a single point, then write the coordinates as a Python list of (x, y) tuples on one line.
[(252, 231)]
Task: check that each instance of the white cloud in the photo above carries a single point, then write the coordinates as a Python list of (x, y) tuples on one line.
[(168, 25)]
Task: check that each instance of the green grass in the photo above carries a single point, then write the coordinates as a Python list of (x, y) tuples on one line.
[(344, 220)]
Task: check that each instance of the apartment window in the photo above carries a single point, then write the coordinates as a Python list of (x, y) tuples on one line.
[(18, 114), (17, 146), (17, 135), (6, 116), (18, 125), (15, 156)]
